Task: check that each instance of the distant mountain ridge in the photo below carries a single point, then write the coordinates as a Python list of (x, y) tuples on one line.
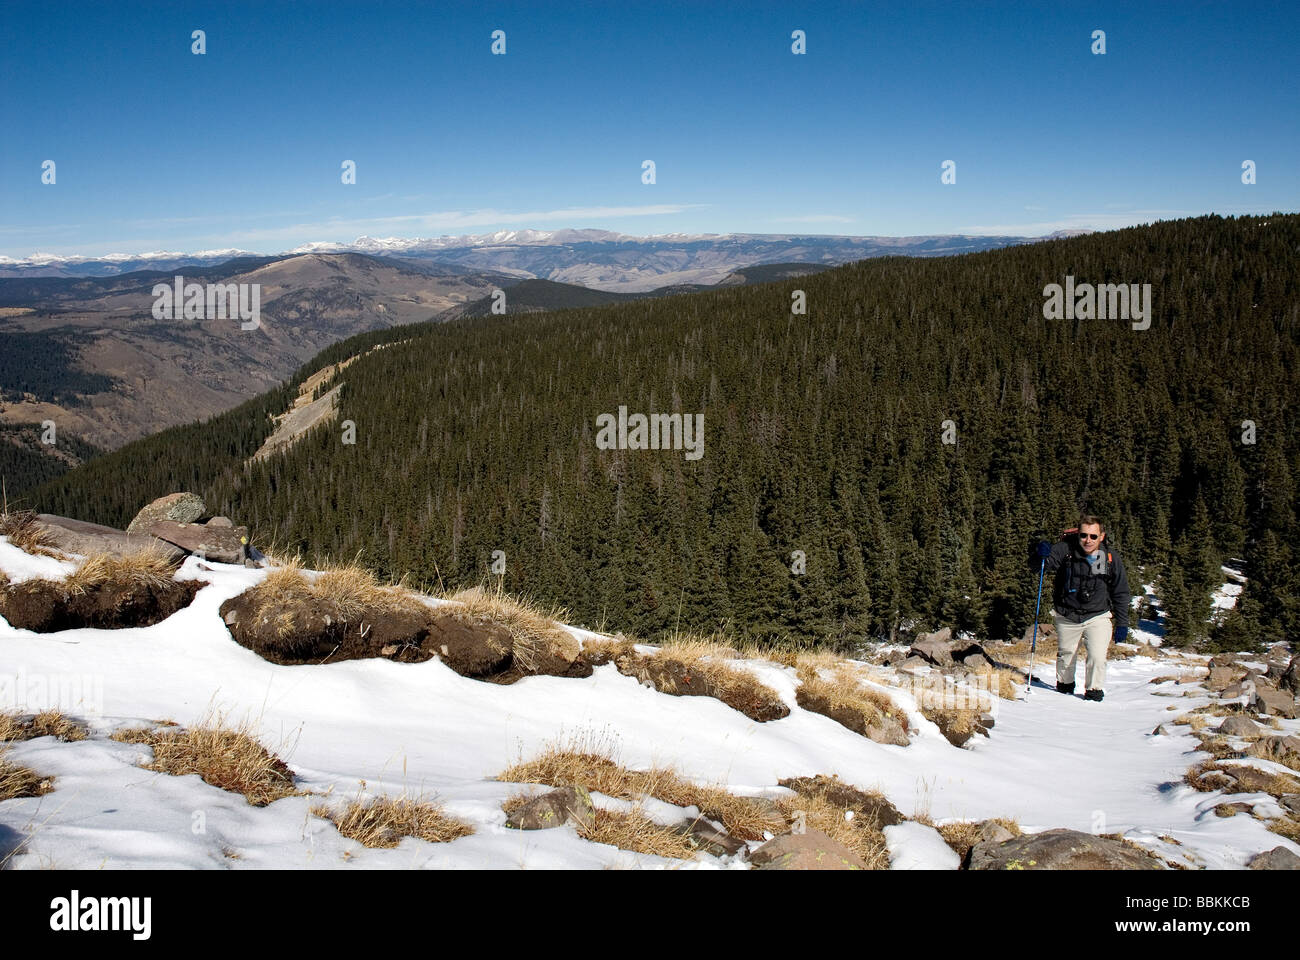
[(599, 259)]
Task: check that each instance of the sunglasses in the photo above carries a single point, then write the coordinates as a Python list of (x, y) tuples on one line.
[(1090, 536)]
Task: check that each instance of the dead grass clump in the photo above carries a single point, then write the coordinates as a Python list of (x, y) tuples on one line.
[(536, 636), (560, 766), (18, 781), (147, 568), (225, 757), (47, 723), (384, 821), (637, 833), (26, 533), (1003, 682), (1288, 827), (843, 697), (860, 835), (1211, 775), (699, 667)]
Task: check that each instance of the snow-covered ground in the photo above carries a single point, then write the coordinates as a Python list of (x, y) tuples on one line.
[(1052, 760)]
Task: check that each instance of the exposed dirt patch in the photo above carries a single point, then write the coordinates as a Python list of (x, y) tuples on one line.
[(46, 606)]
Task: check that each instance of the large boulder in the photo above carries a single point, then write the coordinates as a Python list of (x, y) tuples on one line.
[(563, 805), (217, 543), (810, 850), (935, 648), (1279, 858), (1238, 725), (1061, 849), (177, 507), (1281, 703), (89, 539)]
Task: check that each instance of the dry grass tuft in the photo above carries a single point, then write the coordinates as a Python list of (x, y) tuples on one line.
[(699, 666), (535, 635), (17, 781), (25, 532), (560, 766), (1288, 827), (1002, 681), (842, 695), (150, 568), (819, 813), (384, 821), (1260, 781), (230, 758), (47, 723), (962, 835), (638, 833)]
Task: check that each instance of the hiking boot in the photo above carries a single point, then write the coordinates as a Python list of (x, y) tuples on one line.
[(1094, 694), (1064, 687)]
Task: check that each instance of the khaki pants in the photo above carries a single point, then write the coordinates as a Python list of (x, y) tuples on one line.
[(1095, 633)]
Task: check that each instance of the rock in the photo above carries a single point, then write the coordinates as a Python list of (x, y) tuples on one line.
[(1275, 670), (1274, 748), (1279, 858), (811, 850), (1291, 801), (563, 805), (218, 544), (973, 656), (87, 539), (1163, 730), (1291, 676), (1239, 726), (993, 832), (1220, 677), (1280, 703), (987, 720), (1061, 850), (176, 507), (715, 842), (1232, 691), (1046, 632), (1232, 809), (1247, 779), (934, 648), (220, 522), (913, 665), (887, 730)]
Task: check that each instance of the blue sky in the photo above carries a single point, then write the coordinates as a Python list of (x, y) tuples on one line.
[(159, 149)]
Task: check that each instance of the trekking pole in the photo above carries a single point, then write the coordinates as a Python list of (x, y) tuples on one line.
[(1033, 644)]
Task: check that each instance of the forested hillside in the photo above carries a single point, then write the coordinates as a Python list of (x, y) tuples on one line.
[(824, 433)]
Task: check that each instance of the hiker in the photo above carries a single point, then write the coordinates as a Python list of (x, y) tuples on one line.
[(1090, 594)]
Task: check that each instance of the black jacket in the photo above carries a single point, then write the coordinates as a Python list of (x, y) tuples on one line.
[(1078, 593)]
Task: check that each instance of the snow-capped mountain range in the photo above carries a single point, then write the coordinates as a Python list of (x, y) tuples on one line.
[(595, 258)]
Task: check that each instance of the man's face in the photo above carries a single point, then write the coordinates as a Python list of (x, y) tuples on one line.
[(1090, 537)]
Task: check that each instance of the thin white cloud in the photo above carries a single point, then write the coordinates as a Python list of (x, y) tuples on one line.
[(1097, 221), (814, 218)]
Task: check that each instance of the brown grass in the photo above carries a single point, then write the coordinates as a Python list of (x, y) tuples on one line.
[(843, 690), (705, 664), (25, 532), (1275, 784), (150, 568), (1003, 682), (535, 634), (18, 781), (1272, 752), (384, 821), (589, 766), (962, 835), (230, 758), (47, 723), (1288, 827), (637, 833), (819, 813)]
